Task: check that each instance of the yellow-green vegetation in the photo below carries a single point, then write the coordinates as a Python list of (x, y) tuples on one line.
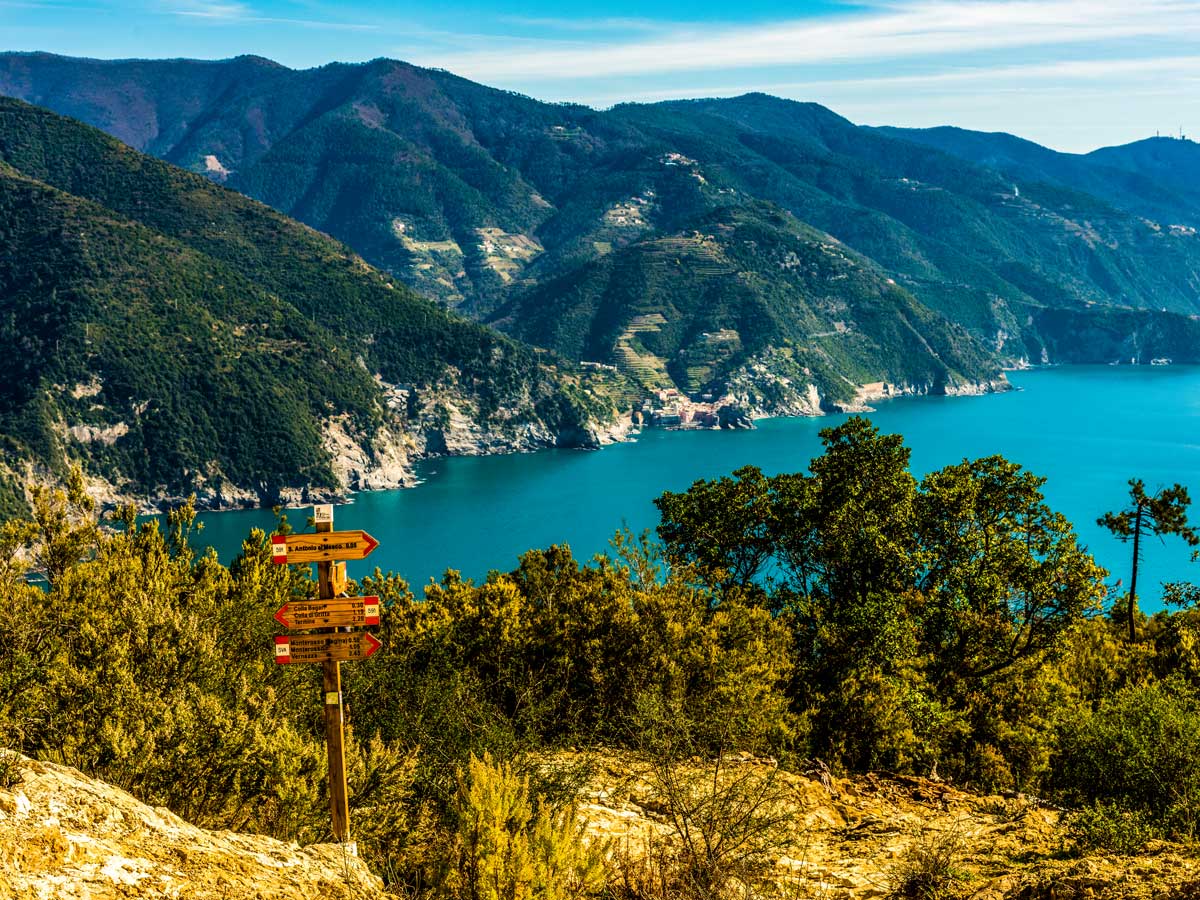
[(512, 846), (947, 627)]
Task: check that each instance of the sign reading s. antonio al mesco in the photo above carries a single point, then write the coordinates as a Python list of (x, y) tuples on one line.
[(321, 547)]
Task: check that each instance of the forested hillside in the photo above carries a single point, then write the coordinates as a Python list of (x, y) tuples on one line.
[(749, 296), (179, 337), (480, 197)]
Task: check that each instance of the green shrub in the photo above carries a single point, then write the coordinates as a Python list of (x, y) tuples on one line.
[(1140, 752), (512, 846), (928, 867), (10, 769), (1105, 826)]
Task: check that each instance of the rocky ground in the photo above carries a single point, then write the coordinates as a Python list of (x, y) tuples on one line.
[(63, 835), (67, 837), (855, 838)]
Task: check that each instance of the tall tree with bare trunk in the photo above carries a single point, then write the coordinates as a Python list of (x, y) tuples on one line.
[(1161, 513)]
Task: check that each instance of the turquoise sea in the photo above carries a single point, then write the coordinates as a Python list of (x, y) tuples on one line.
[(1086, 429)]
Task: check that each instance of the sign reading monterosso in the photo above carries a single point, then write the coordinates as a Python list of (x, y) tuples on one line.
[(321, 547), (326, 637), (319, 648)]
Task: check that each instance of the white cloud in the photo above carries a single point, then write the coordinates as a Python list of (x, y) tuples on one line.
[(900, 30), (1052, 75), (609, 23), (239, 14), (205, 10)]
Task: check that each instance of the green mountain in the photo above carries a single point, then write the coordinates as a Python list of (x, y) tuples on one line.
[(503, 207), (1174, 163), (748, 297), (176, 336), (1155, 178)]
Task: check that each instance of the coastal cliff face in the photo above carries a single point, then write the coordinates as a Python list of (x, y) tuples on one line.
[(774, 385), (1118, 337), (381, 459)]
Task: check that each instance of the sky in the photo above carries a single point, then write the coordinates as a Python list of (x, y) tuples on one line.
[(1071, 74)]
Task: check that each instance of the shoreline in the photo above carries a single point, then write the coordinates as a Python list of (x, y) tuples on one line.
[(624, 430), (482, 514), (109, 498)]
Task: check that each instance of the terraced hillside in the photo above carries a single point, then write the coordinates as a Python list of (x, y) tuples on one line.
[(749, 288), (476, 196)]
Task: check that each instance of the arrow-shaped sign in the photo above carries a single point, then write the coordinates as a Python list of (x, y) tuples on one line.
[(341, 612), (321, 547), (315, 648)]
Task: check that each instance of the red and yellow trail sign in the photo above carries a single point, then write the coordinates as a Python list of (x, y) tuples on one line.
[(321, 547), (319, 648), (340, 612)]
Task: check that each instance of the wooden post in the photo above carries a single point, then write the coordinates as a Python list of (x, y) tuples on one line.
[(331, 688)]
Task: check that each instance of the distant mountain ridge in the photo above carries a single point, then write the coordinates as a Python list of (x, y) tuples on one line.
[(176, 336), (520, 212), (1156, 177)]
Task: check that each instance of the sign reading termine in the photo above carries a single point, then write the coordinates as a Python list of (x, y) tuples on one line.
[(340, 612)]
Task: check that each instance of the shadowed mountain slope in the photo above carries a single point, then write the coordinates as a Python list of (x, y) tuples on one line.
[(178, 336), (1153, 178), (492, 202)]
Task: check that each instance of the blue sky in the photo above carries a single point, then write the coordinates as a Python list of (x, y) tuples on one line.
[(1072, 74)]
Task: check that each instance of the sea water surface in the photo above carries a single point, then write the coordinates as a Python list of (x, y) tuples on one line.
[(1086, 429)]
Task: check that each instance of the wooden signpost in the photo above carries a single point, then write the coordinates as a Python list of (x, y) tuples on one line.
[(337, 578), (329, 641)]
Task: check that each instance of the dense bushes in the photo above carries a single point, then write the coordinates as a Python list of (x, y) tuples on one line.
[(915, 609), (850, 613), (149, 667), (1140, 750), (144, 665)]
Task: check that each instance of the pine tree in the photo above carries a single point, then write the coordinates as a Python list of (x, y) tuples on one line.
[(1160, 514)]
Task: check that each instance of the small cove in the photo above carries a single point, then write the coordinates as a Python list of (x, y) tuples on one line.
[(1087, 429)]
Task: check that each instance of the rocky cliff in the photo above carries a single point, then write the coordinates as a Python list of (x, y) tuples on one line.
[(64, 836)]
